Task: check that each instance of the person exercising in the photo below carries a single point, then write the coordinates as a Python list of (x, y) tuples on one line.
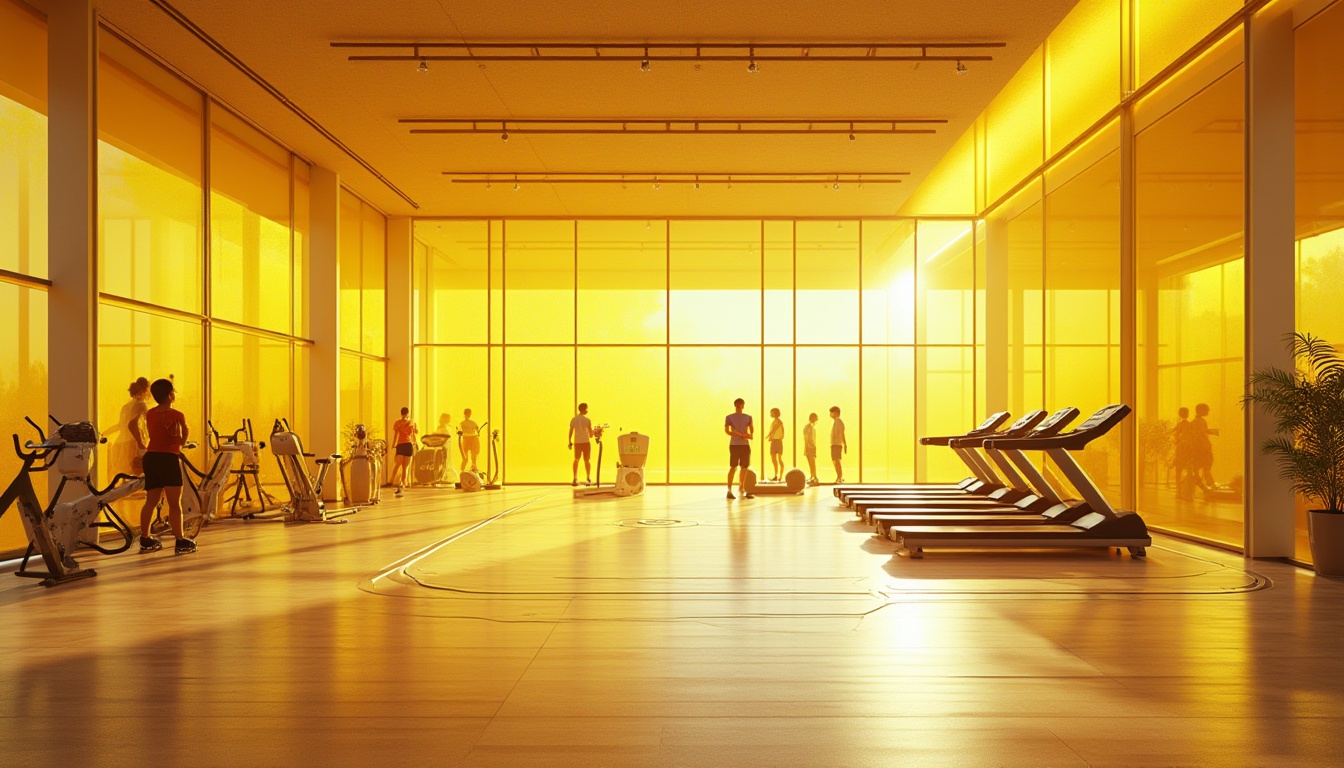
[(470, 433), (580, 441), (403, 439), (167, 429), (737, 425)]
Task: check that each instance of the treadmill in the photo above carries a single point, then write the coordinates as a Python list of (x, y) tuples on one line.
[(1030, 491), (987, 427), (1101, 526)]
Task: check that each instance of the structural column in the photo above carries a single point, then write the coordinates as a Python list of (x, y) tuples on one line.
[(324, 292), (399, 310), (72, 194), (1270, 278)]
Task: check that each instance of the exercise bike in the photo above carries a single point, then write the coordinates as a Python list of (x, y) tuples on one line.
[(55, 532), (489, 479), (200, 493)]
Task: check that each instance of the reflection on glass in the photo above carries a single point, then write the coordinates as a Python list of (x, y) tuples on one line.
[(1190, 303), (23, 384), (622, 279)]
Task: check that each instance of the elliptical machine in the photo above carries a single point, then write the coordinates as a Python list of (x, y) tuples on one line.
[(305, 492), (200, 492), (248, 449), (433, 466), (55, 532), (489, 479)]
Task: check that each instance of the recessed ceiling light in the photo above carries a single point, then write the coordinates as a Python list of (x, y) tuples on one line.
[(644, 65), (961, 68), (423, 68)]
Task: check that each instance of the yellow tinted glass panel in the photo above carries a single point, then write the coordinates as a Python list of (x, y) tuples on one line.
[(888, 419), (889, 282), (373, 281), (449, 380), (1083, 69), (373, 396), (622, 278), (779, 392), (23, 388), (538, 404), (134, 344), (351, 277), (625, 388), (1189, 280), (149, 180), (250, 380), (945, 282), (779, 285), (250, 238), (1025, 304), (539, 282), (716, 282), (828, 282), (945, 381), (702, 384), (350, 400), (301, 229), (451, 281), (23, 134)]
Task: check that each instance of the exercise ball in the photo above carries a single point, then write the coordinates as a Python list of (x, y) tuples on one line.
[(795, 480)]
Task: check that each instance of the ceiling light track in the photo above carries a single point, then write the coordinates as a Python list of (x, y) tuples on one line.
[(695, 180), (750, 53), (654, 127)]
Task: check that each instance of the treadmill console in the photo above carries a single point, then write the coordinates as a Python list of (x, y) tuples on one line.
[(1057, 421), (1104, 419)]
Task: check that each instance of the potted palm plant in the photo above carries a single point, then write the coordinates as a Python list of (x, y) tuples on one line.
[(1307, 404)]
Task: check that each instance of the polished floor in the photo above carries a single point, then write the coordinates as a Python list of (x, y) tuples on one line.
[(521, 627)]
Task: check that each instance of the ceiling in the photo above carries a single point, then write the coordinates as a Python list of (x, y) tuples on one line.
[(359, 104)]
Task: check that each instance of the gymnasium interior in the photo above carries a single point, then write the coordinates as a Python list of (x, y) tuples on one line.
[(993, 283)]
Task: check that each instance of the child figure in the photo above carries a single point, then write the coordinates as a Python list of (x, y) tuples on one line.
[(776, 438), (167, 429), (810, 448)]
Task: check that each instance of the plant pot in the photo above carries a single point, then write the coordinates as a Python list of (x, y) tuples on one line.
[(1327, 542)]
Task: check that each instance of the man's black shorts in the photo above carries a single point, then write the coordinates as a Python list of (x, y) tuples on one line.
[(739, 456), (162, 470)]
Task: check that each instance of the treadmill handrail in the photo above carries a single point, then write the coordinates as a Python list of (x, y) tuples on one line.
[(989, 426), (1097, 424), (1021, 428)]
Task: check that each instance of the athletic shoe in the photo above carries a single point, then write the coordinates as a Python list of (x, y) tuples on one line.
[(731, 496), (587, 482), (575, 483), (184, 546), (398, 490), (148, 544), (748, 496)]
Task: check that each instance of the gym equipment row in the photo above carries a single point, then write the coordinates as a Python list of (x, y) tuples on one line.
[(1021, 510), (632, 453)]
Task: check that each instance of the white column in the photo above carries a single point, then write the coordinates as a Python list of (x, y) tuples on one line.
[(324, 388), (1270, 279), (72, 195), (399, 311)]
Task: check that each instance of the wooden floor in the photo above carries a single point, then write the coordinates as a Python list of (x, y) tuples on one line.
[(520, 628)]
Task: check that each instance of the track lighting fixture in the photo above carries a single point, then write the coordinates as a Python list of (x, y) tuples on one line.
[(851, 137), (751, 67), (697, 185), (644, 65), (836, 186), (423, 68), (656, 186), (504, 136), (961, 68), (488, 186), (515, 184)]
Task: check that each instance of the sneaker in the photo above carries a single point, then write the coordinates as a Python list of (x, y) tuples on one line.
[(184, 546), (587, 482), (148, 544), (575, 483), (398, 490), (731, 496), (748, 496)]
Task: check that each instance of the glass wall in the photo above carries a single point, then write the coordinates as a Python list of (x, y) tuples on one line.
[(23, 236), (1189, 210), (232, 343), (363, 318), (1319, 191), (659, 325)]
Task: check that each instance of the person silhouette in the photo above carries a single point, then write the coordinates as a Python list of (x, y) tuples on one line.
[(124, 455)]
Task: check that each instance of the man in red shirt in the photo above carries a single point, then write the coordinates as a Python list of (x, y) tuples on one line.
[(403, 441), (167, 429)]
